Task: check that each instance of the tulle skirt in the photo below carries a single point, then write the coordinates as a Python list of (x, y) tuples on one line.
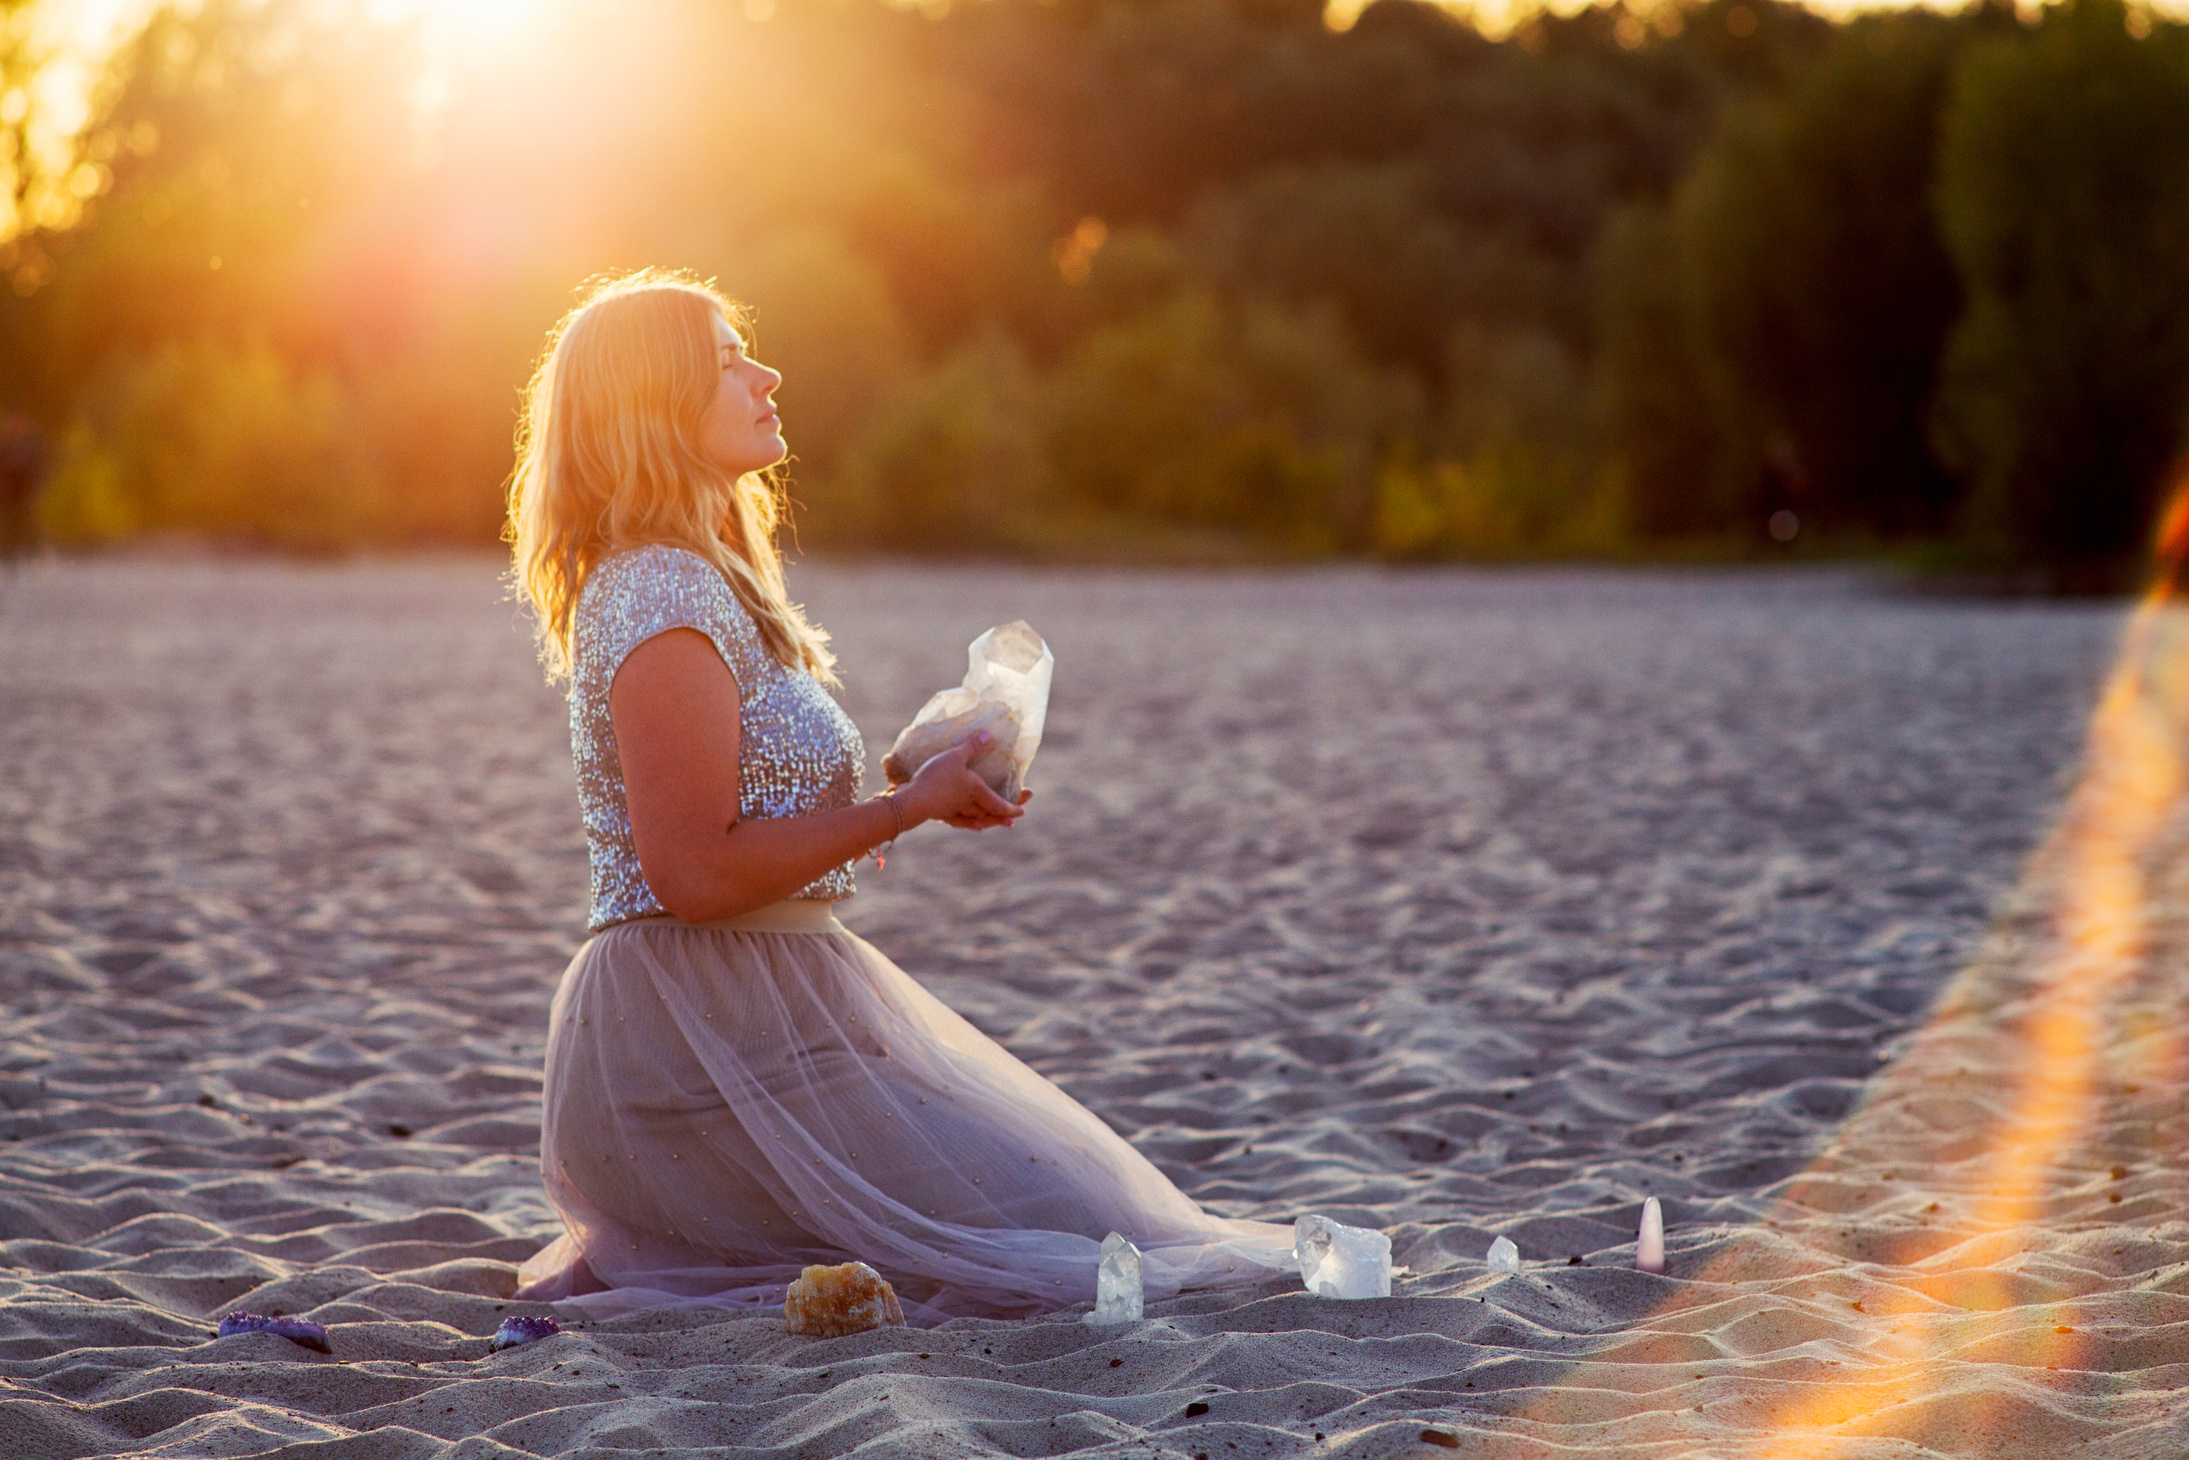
[(724, 1106)]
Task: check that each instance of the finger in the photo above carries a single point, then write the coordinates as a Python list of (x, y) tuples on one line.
[(1024, 797), (960, 753), (990, 803), (954, 756)]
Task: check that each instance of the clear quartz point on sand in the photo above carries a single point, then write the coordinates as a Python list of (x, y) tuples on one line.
[(1117, 1283), (1504, 1257), (1337, 1261), (1649, 1246)]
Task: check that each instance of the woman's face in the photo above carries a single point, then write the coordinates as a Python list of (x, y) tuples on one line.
[(743, 431)]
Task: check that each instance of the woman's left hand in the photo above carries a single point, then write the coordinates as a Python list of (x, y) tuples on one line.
[(945, 790), (981, 822)]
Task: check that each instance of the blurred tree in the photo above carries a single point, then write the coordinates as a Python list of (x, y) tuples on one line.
[(2062, 198), (22, 469), (211, 439), (1658, 429), (949, 461), (1820, 294), (1035, 268), (1253, 418), (1364, 240), (824, 317)]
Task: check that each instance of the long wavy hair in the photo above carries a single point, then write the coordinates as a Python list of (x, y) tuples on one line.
[(610, 457)]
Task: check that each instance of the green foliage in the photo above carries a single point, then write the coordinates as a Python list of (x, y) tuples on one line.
[(1189, 272), (950, 461), (1370, 242), (205, 439), (1820, 289), (824, 316), (1028, 268), (1659, 429), (1937, 284), (1773, 341), (1253, 417), (2062, 198), (1252, 420), (1515, 470), (1495, 504)]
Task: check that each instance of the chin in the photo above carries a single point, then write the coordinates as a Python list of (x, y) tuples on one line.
[(759, 459)]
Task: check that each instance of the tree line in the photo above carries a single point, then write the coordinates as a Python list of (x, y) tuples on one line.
[(1185, 278)]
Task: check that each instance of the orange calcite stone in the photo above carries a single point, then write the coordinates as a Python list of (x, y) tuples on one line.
[(829, 1302)]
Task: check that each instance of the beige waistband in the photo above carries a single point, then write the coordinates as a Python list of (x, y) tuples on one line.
[(793, 915)]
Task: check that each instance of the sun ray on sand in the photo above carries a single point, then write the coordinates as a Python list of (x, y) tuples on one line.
[(1990, 1256)]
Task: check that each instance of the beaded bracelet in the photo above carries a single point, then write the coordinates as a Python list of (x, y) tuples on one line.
[(881, 853)]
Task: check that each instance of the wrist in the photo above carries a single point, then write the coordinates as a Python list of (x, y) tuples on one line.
[(900, 819), (898, 823), (907, 806)]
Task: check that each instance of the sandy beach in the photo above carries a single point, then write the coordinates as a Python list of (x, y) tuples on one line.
[(1455, 903)]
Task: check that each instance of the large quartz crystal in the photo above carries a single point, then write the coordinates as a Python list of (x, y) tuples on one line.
[(1006, 693), (917, 744), (1117, 1283), (1504, 1257), (1337, 1261), (829, 1302)]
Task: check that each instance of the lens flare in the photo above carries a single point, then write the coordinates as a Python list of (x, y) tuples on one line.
[(1983, 1205)]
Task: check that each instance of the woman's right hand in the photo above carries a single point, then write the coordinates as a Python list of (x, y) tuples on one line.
[(944, 790)]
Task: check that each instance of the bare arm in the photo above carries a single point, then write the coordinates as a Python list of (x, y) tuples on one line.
[(674, 704)]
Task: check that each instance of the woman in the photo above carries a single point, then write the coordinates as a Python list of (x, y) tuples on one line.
[(737, 1086)]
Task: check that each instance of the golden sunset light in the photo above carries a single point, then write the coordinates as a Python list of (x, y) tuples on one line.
[(1238, 729)]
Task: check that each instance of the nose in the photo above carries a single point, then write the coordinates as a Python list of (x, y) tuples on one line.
[(769, 379)]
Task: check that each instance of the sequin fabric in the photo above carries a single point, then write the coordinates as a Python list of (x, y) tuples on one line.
[(800, 751)]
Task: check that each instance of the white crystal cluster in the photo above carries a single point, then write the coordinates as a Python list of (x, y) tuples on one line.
[(1117, 1283), (1337, 1261)]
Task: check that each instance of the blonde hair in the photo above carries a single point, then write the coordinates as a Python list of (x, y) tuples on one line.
[(609, 457)]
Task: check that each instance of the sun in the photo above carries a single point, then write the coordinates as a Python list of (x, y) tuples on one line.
[(474, 28)]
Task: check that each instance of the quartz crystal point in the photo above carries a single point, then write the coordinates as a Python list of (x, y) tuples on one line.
[(1337, 1261), (829, 1302), (1649, 1247), (1117, 1283), (1504, 1257), (300, 1331), (515, 1331), (1006, 693)]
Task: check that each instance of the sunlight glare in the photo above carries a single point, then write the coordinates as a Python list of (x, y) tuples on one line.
[(468, 23)]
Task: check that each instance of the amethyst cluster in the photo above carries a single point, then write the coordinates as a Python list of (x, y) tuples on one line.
[(522, 1330), (297, 1330)]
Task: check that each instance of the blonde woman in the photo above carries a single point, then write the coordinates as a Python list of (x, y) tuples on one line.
[(736, 1085)]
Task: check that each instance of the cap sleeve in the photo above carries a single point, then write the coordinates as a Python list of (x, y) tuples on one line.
[(637, 595)]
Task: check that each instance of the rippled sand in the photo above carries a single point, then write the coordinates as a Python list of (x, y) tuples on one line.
[(1452, 903)]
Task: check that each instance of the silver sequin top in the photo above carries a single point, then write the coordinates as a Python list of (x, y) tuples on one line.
[(800, 753)]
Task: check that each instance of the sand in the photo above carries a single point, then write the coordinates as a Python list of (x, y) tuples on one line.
[(1453, 903)]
